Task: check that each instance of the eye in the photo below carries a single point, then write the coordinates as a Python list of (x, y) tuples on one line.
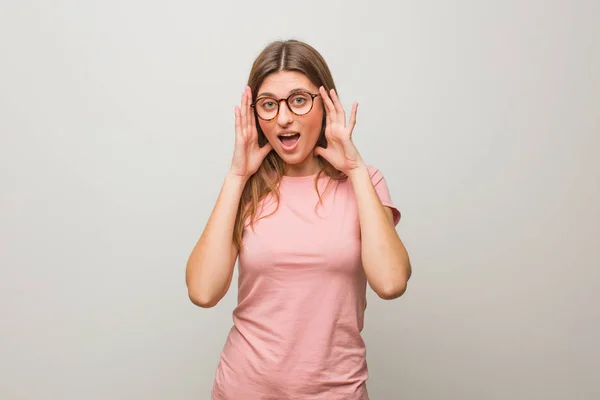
[(299, 100), (268, 104)]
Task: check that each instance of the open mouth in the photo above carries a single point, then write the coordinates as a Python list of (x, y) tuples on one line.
[(289, 140)]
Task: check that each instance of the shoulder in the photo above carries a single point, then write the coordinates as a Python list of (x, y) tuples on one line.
[(375, 174), (383, 191)]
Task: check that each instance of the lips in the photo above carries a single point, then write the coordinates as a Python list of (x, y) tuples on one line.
[(289, 140)]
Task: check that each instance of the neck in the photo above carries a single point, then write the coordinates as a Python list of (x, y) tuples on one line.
[(310, 166)]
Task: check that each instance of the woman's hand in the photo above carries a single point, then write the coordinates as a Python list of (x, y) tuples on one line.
[(247, 155), (340, 151)]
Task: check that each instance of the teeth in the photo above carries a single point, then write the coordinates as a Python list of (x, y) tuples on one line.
[(288, 134)]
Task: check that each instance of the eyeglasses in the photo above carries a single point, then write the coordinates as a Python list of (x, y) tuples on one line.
[(299, 103)]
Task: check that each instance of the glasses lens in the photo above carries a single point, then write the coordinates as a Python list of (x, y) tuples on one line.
[(266, 107), (300, 103)]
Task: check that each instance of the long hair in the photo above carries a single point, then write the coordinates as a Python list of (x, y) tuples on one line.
[(289, 55)]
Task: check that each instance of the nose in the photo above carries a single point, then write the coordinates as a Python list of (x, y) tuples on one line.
[(284, 117)]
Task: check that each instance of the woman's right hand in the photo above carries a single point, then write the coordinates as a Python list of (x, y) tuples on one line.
[(247, 155)]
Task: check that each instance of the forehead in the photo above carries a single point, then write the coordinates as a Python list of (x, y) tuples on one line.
[(283, 82)]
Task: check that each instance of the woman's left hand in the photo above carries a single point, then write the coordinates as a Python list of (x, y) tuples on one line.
[(340, 151)]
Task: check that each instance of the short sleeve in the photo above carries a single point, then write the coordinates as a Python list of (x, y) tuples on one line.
[(383, 192)]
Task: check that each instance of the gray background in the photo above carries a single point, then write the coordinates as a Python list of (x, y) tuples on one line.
[(116, 122)]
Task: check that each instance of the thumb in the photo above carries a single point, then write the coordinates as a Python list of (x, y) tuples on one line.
[(320, 151), (266, 149)]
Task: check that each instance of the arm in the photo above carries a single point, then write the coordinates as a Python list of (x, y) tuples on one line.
[(210, 267), (385, 259)]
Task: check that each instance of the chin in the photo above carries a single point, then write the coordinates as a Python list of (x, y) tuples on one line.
[(292, 159)]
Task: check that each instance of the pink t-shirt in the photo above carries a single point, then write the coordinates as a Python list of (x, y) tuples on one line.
[(301, 299)]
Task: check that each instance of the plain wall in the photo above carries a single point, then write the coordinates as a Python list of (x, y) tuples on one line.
[(116, 123)]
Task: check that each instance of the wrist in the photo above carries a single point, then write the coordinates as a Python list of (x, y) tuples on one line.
[(358, 171), (235, 179)]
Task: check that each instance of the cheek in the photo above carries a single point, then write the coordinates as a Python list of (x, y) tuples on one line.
[(268, 128), (314, 125)]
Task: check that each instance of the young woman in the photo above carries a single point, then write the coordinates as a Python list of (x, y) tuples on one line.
[(311, 224)]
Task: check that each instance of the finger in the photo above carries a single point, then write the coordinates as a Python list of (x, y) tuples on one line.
[(329, 113), (329, 107), (238, 122), (253, 121), (339, 109), (243, 110), (249, 113), (352, 121), (243, 102)]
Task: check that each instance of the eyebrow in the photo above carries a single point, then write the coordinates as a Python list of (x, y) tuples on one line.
[(269, 94)]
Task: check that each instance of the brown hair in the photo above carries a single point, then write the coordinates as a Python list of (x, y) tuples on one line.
[(289, 55)]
